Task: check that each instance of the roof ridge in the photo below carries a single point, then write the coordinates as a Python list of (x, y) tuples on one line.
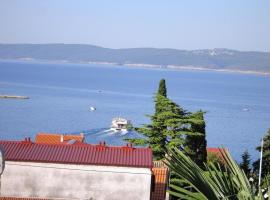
[(77, 145), (90, 154)]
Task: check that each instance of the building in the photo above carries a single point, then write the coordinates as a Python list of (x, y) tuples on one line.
[(53, 138), (214, 154), (161, 174), (76, 171)]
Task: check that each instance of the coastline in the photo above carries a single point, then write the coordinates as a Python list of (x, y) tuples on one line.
[(141, 65), (13, 97)]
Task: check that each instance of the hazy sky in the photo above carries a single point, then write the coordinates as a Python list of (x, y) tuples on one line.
[(181, 24)]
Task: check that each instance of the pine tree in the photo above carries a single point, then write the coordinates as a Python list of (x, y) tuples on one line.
[(266, 156), (195, 142), (245, 164)]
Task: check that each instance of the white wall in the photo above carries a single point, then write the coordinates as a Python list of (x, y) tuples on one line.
[(28, 179)]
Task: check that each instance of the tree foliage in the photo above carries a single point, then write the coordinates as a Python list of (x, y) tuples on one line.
[(166, 128), (266, 156), (162, 89), (169, 125), (195, 145), (212, 183), (245, 164)]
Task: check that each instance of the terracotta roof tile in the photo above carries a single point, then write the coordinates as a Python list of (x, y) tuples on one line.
[(84, 154), (161, 179), (53, 138), (217, 152)]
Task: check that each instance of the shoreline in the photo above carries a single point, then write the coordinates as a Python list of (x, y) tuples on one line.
[(13, 97), (141, 65)]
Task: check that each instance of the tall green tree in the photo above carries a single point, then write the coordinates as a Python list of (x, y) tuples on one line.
[(195, 144), (169, 125), (245, 164), (164, 129), (162, 90), (265, 158), (155, 132)]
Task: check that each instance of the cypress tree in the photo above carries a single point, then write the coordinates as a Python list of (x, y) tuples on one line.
[(195, 142), (162, 90), (169, 124), (245, 164), (164, 127), (155, 133)]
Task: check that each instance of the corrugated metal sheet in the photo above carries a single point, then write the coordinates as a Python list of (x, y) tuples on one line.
[(84, 154), (51, 138)]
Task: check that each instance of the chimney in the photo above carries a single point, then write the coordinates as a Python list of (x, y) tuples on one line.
[(61, 138), (128, 146), (27, 140), (101, 146), (82, 135)]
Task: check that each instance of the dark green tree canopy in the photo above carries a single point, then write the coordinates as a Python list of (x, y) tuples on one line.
[(162, 90), (169, 126), (266, 156), (245, 164), (195, 144)]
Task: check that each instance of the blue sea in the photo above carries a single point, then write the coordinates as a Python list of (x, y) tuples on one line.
[(236, 105)]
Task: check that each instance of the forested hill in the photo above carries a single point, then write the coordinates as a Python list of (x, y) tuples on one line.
[(207, 58)]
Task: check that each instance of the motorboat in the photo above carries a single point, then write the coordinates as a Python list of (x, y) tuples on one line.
[(245, 109), (92, 108), (121, 124)]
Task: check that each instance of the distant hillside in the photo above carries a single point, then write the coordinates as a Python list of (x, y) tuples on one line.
[(222, 59)]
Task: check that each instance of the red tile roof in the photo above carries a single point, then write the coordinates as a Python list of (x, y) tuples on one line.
[(161, 179), (52, 138), (216, 152), (84, 154)]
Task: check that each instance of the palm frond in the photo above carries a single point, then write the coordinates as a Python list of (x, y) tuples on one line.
[(214, 183)]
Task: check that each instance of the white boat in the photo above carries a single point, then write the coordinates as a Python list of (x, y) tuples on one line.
[(245, 109), (92, 108), (120, 124)]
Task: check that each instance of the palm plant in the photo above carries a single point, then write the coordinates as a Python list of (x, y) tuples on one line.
[(213, 183)]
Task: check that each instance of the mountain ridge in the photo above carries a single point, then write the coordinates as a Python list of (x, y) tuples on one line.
[(215, 59)]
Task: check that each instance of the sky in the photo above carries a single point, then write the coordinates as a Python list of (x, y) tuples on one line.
[(181, 24)]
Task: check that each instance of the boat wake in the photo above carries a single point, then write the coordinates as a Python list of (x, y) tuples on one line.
[(113, 132), (111, 137)]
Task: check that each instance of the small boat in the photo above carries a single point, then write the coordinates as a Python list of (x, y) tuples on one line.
[(245, 109), (121, 124), (92, 108)]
